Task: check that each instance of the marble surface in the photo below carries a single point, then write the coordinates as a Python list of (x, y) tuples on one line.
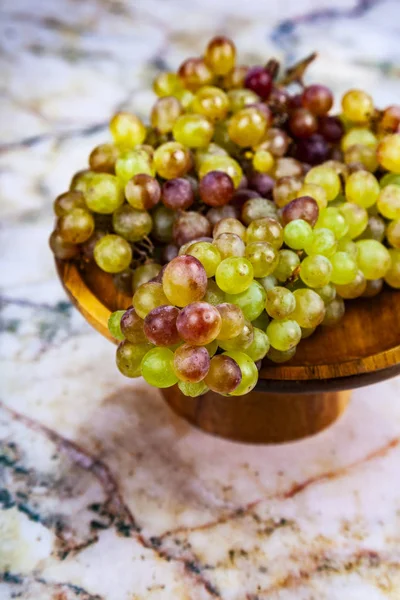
[(104, 493)]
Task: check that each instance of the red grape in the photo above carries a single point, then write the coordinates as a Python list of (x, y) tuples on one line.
[(199, 323), (177, 194), (216, 188), (160, 326), (191, 363), (259, 81)]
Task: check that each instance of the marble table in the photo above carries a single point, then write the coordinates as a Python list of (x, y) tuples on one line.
[(104, 493)]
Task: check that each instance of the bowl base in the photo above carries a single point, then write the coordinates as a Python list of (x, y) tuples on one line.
[(259, 417)]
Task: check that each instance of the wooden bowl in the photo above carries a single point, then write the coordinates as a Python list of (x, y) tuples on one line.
[(292, 400)]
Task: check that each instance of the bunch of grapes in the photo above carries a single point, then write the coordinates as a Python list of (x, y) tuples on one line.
[(239, 219)]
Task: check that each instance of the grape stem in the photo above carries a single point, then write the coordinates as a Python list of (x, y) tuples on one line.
[(296, 73)]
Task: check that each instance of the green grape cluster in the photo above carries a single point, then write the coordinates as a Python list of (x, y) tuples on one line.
[(239, 219)]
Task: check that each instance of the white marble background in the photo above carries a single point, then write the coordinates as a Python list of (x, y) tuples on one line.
[(105, 494)]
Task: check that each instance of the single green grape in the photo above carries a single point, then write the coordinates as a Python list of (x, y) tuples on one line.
[(373, 259), (277, 356), (389, 153), (248, 369), (157, 368), (193, 130), (358, 136), (114, 324), (347, 245), (133, 162), (132, 224), (327, 292), (362, 188), (144, 273), (263, 256), (356, 218), (344, 268), (268, 282), (193, 390), (259, 346), (310, 308), (316, 271), (393, 233), (127, 130), (288, 262), (280, 302), (241, 341), (323, 241), (357, 106), (251, 300), (104, 193), (355, 289), (284, 334), (234, 275), (129, 357), (207, 254), (331, 218), (327, 178), (265, 230), (389, 202), (392, 275), (262, 321), (213, 294), (390, 179), (297, 234), (112, 253)]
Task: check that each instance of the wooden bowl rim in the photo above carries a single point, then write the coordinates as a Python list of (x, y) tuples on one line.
[(277, 379)]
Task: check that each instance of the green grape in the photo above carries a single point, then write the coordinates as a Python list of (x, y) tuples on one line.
[(389, 202), (133, 162), (76, 226), (129, 357), (373, 259), (241, 341), (357, 106), (251, 300), (104, 193), (211, 102), (284, 334), (172, 160), (348, 246), (323, 241), (280, 302), (356, 218), (354, 289), (263, 256), (207, 254), (297, 234), (240, 98), (310, 308), (212, 348), (165, 113), (224, 375), (157, 368), (230, 244), (327, 178), (307, 332), (331, 218), (362, 188), (127, 130), (193, 390), (232, 320), (248, 370), (144, 273), (393, 233), (259, 346), (64, 203), (358, 136), (390, 179), (258, 208), (280, 357), (327, 292), (114, 324), (334, 312), (221, 163), (392, 276), (81, 181), (184, 280), (112, 253), (265, 230), (234, 275), (389, 153), (213, 294), (147, 297), (247, 127), (229, 225), (288, 262), (316, 271), (344, 268), (262, 321), (166, 84), (220, 55), (268, 282), (132, 224), (362, 155), (193, 130)]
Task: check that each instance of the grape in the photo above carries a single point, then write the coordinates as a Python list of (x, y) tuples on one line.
[(248, 370), (132, 224), (144, 273), (325, 177), (221, 163), (191, 363), (172, 160), (166, 84), (129, 357), (133, 162), (257, 208), (304, 208), (127, 130), (104, 193), (323, 242), (310, 308), (232, 320), (123, 282), (356, 218), (193, 390), (393, 233), (163, 221), (307, 332), (211, 102), (132, 327), (297, 234), (102, 159), (199, 323), (193, 130), (114, 324), (389, 202), (207, 254), (280, 357), (189, 226), (269, 282), (265, 230), (276, 141), (261, 183), (373, 259), (283, 334), (316, 192), (362, 188), (331, 218), (392, 275), (177, 194), (327, 292), (331, 128), (388, 153), (87, 248), (263, 161), (184, 280), (361, 155), (313, 150), (286, 189), (157, 368), (334, 312), (280, 302), (359, 136), (216, 188), (288, 261), (344, 268), (373, 287), (229, 226), (81, 180), (220, 55), (76, 226), (354, 289), (390, 120), (251, 301), (287, 167), (213, 294), (348, 246), (221, 212), (235, 78), (234, 275), (247, 127), (112, 253), (143, 192), (229, 244), (259, 346), (263, 257), (318, 99), (194, 73), (160, 326), (302, 123), (67, 202), (259, 80), (224, 374), (164, 114), (261, 322), (241, 341), (389, 179), (357, 106), (148, 296)]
